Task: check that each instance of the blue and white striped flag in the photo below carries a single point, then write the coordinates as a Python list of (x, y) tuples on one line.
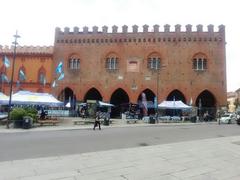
[(61, 76), (59, 68), (4, 78), (6, 62)]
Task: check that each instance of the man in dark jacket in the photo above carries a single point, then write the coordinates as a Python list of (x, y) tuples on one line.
[(97, 121)]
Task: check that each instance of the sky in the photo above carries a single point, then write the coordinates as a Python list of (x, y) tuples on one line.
[(36, 20)]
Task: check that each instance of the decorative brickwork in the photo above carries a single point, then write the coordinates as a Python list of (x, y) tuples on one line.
[(118, 66)]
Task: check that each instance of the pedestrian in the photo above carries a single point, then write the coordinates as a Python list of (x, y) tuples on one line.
[(97, 121), (43, 114)]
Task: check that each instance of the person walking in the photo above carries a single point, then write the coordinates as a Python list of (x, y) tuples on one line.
[(97, 121)]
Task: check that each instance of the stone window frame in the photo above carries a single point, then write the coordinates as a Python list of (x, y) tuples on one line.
[(154, 61), (112, 63), (41, 75), (199, 63), (74, 63)]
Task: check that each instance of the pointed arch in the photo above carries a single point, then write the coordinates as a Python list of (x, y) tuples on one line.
[(149, 95), (150, 100), (41, 75), (206, 99), (67, 95), (93, 94), (120, 99), (206, 103), (177, 95)]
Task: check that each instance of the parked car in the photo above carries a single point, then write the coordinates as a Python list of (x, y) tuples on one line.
[(228, 118)]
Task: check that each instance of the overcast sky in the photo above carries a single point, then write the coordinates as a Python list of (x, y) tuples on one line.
[(36, 20)]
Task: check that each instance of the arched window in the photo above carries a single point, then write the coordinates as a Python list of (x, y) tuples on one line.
[(74, 63), (154, 62), (42, 76), (199, 62), (111, 62)]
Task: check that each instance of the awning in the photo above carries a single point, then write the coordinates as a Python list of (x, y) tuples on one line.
[(4, 99), (33, 98), (173, 105), (105, 104)]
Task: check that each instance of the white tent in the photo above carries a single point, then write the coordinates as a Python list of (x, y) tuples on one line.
[(33, 98), (68, 105), (105, 104), (4, 99), (173, 105)]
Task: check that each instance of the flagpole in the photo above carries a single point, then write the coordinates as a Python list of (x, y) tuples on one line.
[(16, 36)]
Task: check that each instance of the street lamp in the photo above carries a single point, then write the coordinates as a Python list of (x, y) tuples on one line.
[(16, 36), (158, 67), (158, 70)]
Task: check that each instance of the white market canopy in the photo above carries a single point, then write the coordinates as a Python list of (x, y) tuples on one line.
[(173, 105), (33, 98), (4, 99), (105, 104)]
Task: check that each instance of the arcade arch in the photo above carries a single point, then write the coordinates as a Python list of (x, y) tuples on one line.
[(206, 103), (67, 95), (120, 99), (150, 100), (177, 95), (93, 94)]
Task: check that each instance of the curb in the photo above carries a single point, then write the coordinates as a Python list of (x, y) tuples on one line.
[(87, 127)]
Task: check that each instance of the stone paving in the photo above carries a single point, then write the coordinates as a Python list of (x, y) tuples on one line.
[(209, 159)]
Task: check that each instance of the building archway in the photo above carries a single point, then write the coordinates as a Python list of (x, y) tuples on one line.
[(93, 94), (67, 95), (177, 95), (150, 100), (120, 99), (206, 103)]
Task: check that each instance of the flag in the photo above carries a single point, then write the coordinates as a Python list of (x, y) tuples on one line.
[(59, 68), (144, 102), (4, 78), (6, 62), (54, 84), (22, 75), (61, 76)]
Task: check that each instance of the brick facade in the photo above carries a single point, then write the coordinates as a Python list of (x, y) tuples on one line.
[(176, 51), (131, 75)]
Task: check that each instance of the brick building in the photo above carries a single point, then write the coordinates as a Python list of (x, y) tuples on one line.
[(35, 62), (118, 66)]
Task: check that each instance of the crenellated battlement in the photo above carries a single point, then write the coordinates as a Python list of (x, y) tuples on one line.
[(27, 49), (135, 29), (136, 35)]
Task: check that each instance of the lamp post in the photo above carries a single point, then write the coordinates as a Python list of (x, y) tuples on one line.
[(157, 93), (158, 70), (16, 36)]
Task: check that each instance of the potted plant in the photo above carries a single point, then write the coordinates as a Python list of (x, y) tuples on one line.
[(23, 117)]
